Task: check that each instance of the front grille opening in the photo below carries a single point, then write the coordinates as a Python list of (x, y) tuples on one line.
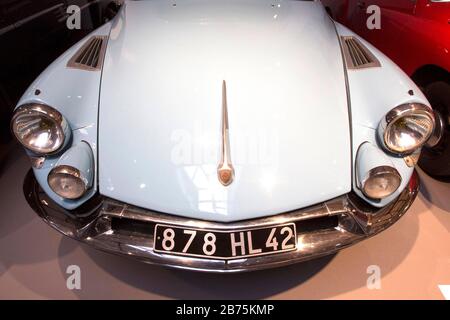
[(90, 56), (357, 56), (132, 227), (145, 229), (317, 224)]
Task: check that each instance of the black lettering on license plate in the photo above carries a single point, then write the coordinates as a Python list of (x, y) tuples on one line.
[(224, 244)]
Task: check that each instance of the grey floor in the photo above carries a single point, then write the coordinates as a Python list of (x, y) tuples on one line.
[(413, 257)]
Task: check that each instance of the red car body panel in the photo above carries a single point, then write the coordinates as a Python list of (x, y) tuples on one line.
[(414, 33)]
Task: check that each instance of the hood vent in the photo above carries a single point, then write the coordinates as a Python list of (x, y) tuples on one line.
[(90, 56), (357, 56)]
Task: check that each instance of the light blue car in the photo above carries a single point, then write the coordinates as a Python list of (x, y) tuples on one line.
[(222, 136)]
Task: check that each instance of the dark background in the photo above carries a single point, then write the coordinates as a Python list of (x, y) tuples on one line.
[(33, 33)]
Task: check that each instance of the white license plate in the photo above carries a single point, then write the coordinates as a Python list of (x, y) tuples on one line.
[(224, 244)]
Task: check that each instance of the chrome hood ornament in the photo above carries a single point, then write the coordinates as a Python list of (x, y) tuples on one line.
[(225, 170)]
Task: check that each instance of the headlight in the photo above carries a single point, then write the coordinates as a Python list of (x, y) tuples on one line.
[(381, 182), (67, 182), (40, 128), (406, 128)]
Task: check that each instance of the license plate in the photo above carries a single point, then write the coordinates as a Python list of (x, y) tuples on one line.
[(224, 244)]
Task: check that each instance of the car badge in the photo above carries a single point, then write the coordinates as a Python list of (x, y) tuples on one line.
[(225, 170)]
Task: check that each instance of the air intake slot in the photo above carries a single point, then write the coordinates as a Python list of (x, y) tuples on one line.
[(357, 56), (90, 56)]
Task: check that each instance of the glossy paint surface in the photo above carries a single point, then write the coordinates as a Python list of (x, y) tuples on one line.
[(161, 108)]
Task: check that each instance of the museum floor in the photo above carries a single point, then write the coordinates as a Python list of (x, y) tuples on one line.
[(413, 257)]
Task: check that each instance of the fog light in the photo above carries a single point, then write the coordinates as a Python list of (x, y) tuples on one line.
[(73, 174), (381, 182), (67, 182)]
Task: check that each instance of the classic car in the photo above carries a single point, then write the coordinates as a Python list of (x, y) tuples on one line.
[(222, 136), (416, 36)]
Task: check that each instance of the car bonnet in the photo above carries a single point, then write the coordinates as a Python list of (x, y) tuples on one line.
[(162, 111)]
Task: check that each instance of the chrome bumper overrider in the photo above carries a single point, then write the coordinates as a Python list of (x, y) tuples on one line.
[(119, 228)]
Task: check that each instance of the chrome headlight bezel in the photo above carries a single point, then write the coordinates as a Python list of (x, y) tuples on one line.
[(377, 172), (52, 117), (398, 113), (68, 172)]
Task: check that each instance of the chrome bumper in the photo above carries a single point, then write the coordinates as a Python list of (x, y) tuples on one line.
[(123, 229)]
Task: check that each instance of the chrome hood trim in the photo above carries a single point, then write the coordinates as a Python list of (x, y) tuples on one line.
[(225, 170), (119, 228)]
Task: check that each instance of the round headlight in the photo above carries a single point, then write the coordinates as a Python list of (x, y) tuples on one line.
[(406, 128), (40, 128), (381, 182), (67, 182)]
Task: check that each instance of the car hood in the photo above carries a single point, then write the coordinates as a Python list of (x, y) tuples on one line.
[(160, 110)]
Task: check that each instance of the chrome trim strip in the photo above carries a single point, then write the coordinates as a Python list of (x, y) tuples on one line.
[(356, 221), (348, 95)]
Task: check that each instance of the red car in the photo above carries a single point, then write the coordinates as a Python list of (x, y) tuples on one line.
[(415, 34)]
